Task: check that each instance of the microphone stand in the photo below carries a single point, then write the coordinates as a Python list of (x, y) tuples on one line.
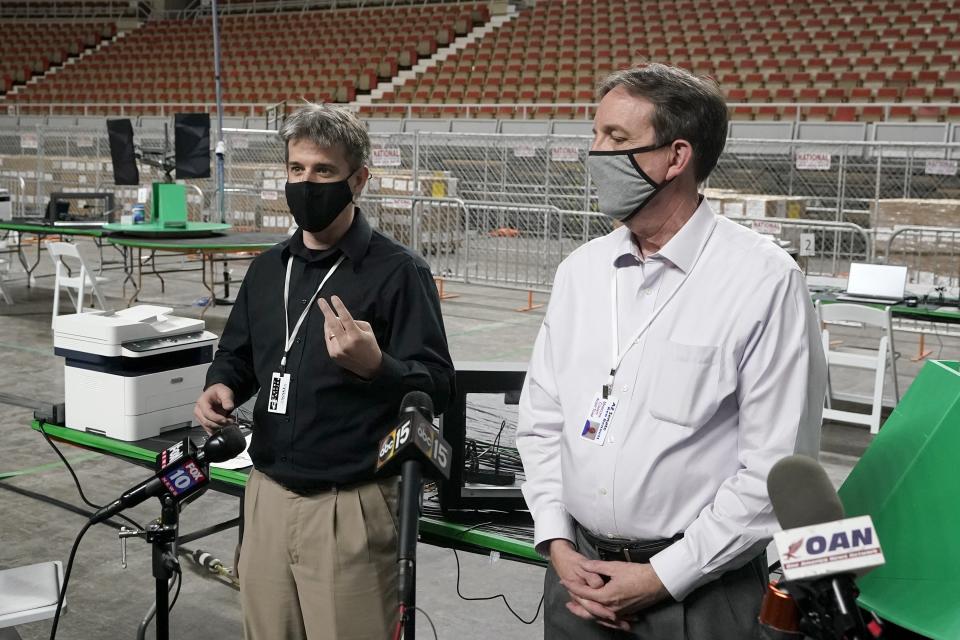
[(407, 548), (163, 536)]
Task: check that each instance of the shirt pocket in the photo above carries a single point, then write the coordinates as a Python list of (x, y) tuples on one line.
[(686, 386)]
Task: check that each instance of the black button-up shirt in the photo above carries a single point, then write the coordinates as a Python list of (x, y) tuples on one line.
[(334, 419)]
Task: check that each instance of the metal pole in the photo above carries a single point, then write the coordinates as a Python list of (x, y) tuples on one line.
[(216, 77)]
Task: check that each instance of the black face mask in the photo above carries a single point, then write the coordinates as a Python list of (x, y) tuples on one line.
[(315, 205)]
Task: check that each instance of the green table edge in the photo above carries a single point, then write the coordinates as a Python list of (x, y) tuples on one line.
[(145, 243), (118, 227), (126, 449), (429, 526), (42, 229), (900, 309)]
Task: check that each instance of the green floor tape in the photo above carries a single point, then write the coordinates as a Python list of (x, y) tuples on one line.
[(48, 467)]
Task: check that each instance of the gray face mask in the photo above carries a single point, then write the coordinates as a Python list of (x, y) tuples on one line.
[(622, 186)]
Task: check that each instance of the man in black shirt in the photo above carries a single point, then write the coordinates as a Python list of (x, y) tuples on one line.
[(318, 558)]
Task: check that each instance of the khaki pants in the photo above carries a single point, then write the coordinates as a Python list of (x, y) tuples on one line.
[(320, 567)]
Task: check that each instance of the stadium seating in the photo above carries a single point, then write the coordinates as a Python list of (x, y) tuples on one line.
[(30, 49), (67, 9), (842, 60), (317, 55), (760, 51)]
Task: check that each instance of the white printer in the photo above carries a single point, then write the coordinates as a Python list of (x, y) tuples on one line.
[(134, 373)]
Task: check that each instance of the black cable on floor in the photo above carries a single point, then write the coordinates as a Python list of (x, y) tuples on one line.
[(428, 620), (66, 578), (55, 502), (76, 481), (536, 614)]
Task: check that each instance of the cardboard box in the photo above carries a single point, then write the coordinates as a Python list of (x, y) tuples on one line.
[(899, 212)]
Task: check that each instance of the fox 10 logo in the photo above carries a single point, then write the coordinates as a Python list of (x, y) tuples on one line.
[(184, 479)]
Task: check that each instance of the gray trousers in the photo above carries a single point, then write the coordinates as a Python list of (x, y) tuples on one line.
[(724, 609)]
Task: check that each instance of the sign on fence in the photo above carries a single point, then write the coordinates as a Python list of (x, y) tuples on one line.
[(524, 151), (813, 161), (808, 245), (769, 228), (29, 141), (386, 157), (936, 167), (565, 154)]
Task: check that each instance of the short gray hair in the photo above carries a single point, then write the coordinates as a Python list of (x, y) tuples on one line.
[(686, 107), (328, 126)]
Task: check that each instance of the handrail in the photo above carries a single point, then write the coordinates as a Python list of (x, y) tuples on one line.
[(922, 229), (466, 108)]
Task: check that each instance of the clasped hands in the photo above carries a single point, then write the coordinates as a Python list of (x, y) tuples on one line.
[(609, 593)]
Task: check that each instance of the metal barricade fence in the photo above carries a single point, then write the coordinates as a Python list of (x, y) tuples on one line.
[(42, 160), (518, 168), (433, 227), (931, 255), (512, 245), (840, 181), (822, 248), (254, 176)]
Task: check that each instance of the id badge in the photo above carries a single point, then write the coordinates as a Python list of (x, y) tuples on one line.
[(279, 390), (598, 419)]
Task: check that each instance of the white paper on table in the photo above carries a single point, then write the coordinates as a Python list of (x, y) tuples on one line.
[(242, 461)]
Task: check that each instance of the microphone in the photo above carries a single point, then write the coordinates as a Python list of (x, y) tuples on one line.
[(416, 447), (821, 551), (182, 470), (415, 439)]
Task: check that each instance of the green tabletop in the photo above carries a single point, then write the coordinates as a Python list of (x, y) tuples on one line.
[(159, 230), (226, 242), (436, 531), (46, 229), (907, 482), (931, 312)]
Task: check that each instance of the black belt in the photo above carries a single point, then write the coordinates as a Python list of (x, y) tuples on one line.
[(306, 490), (312, 490), (627, 550), (317, 488)]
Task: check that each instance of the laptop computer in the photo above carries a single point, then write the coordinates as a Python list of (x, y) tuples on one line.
[(61, 213), (875, 283), (65, 209)]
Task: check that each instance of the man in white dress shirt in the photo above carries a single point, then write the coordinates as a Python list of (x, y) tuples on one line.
[(679, 358)]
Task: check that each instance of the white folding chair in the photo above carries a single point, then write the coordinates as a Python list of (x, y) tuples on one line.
[(59, 251), (876, 360), (3, 294), (28, 594)]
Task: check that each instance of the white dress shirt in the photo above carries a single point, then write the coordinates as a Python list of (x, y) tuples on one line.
[(728, 378)]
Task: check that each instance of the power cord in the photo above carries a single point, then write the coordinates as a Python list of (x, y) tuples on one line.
[(66, 575), (66, 578), (76, 481), (536, 614), (398, 630), (433, 628)]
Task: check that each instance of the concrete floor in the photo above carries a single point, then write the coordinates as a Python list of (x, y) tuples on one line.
[(106, 601)]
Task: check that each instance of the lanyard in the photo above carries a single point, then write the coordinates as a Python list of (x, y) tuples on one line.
[(286, 296), (617, 356)]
